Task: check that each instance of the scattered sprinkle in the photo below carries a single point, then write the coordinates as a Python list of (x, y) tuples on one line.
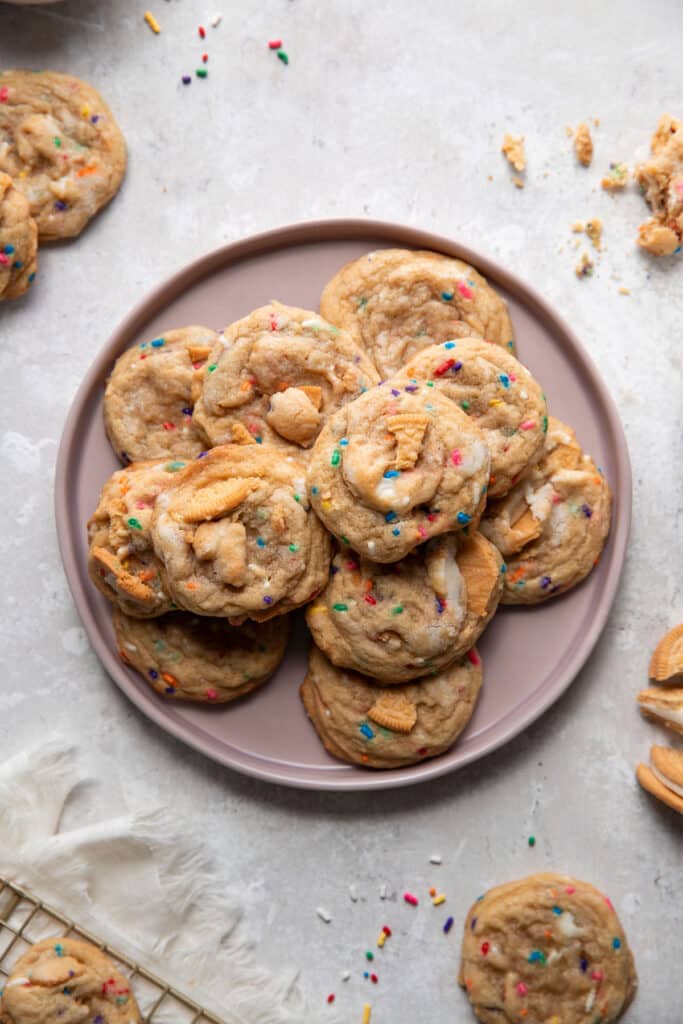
[(202, 32), (409, 898), (345, 975), (330, 998), (448, 924), (438, 900), (323, 914), (435, 859), (152, 22), (353, 892), (274, 44), (216, 20), (532, 840), (283, 56), (202, 73), (383, 891), (367, 1011)]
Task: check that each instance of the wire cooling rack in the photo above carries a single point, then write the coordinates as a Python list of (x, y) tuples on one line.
[(25, 920)]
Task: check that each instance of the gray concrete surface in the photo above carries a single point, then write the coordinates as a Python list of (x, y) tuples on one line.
[(393, 111)]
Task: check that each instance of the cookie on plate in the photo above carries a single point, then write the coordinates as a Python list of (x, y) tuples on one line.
[(61, 145), (275, 376), (663, 705), (394, 468), (548, 949), (412, 618), (121, 559), (18, 241), (663, 777), (197, 658), (64, 979), (394, 302), (666, 664), (149, 398), (237, 536), (552, 526), (385, 727), (498, 393), (661, 181)]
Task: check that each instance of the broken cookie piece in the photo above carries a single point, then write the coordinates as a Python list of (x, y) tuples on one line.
[(661, 181), (583, 145)]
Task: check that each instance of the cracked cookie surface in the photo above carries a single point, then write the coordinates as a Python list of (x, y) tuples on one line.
[(18, 241)]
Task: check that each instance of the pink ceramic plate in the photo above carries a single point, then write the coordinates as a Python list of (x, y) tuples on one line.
[(530, 655)]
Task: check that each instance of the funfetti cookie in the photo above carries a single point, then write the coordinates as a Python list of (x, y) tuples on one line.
[(237, 537), (396, 467), (495, 391), (548, 949), (412, 618), (61, 145), (664, 705), (394, 302), (69, 981), (18, 241), (149, 398), (552, 525), (198, 658), (121, 559), (367, 724), (276, 375)]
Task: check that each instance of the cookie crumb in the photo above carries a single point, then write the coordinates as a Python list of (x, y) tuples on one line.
[(514, 151), (594, 232), (216, 20), (517, 181), (346, 975), (661, 181), (435, 859), (578, 227), (323, 914), (624, 291), (353, 893), (585, 266), (616, 179), (569, 131), (383, 891), (583, 145)]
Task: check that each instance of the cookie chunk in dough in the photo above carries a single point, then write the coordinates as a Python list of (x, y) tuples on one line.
[(237, 536), (495, 391), (547, 948), (18, 241), (275, 376), (149, 398), (394, 302), (69, 981), (661, 181), (398, 466), (121, 559), (197, 658), (552, 526), (386, 727), (398, 622), (61, 145)]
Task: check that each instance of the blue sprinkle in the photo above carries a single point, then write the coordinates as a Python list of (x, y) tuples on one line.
[(202, 455), (31, 278), (412, 388), (391, 517), (258, 439), (584, 965), (504, 380), (448, 924), (449, 344), (66, 991), (60, 205), (158, 342), (473, 923), (463, 518), (267, 600), (314, 490), (59, 949), (391, 473), (456, 366), (9, 249), (396, 532), (395, 393), (367, 731), (545, 582), (366, 974), (558, 911), (503, 568), (587, 511), (260, 541), (446, 296), (186, 411), (153, 674), (170, 689), (17, 265), (616, 943), (344, 441)]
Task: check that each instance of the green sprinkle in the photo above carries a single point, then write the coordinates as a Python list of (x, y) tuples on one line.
[(369, 955), (201, 72), (464, 405), (173, 467), (545, 424), (362, 303), (345, 539), (283, 56), (211, 368), (297, 497), (340, 607), (536, 957), (336, 457), (430, 383), (135, 524), (293, 548), (532, 840), (57, 141), (397, 610)]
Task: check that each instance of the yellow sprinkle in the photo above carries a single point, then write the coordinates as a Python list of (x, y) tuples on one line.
[(624, 291), (22, 174), (317, 608), (327, 505), (85, 111), (438, 900), (382, 939), (367, 1010), (152, 22), (495, 401)]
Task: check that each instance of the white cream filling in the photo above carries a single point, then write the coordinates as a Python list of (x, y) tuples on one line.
[(567, 925), (666, 782), (669, 714), (474, 457)]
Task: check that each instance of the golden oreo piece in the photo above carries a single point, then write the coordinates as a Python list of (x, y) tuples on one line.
[(666, 664), (663, 705), (663, 777)]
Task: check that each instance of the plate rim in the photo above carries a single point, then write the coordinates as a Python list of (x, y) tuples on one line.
[(298, 233)]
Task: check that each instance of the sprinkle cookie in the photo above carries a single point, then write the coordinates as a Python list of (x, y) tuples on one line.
[(70, 981), (394, 468), (276, 375), (148, 402), (121, 559), (547, 949), (197, 658), (377, 727), (410, 619), (498, 393), (552, 526), (61, 145), (663, 777), (394, 302), (18, 241), (237, 535)]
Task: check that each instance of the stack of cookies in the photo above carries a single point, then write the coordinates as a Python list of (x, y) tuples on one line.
[(387, 462)]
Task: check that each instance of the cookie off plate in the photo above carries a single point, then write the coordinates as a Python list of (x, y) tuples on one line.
[(530, 655)]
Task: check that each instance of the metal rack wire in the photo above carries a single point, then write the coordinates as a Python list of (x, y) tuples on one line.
[(25, 920)]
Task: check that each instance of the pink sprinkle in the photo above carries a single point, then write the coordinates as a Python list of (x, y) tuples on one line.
[(4, 94), (527, 425), (274, 44), (3, 259), (432, 516), (678, 186), (464, 290), (522, 989), (609, 903), (597, 975), (330, 998), (456, 457), (513, 377), (409, 898), (474, 657), (211, 695), (141, 504), (423, 533), (571, 889), (369, 599), (351, 565), (556, 499)]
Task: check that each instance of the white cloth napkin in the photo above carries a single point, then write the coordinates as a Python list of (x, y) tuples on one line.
[(140, 884)]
